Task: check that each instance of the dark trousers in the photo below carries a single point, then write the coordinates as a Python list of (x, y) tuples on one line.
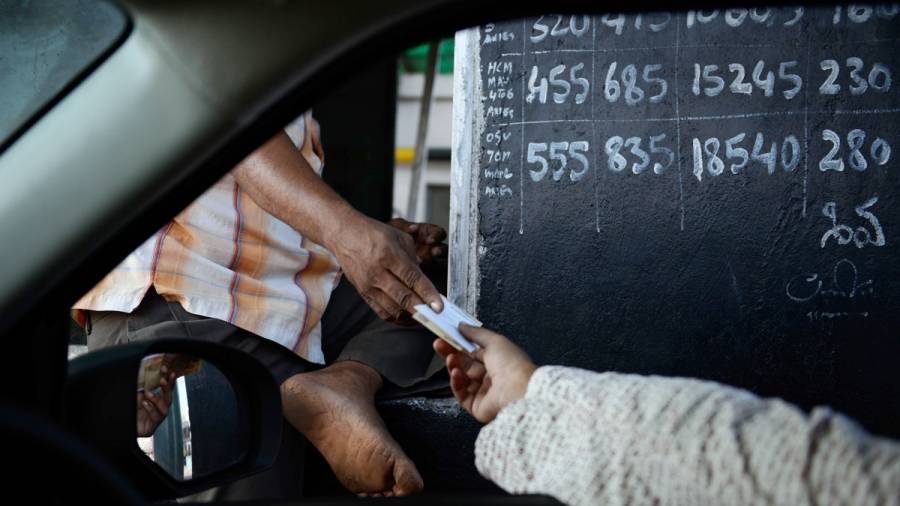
[(350, 331)]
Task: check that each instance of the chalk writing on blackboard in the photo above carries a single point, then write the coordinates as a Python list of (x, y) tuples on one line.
[(716, 182), (842, 282), (859, 236), (659, 70)]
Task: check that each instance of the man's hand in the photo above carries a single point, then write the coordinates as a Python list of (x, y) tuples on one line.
[(428, 238), (380, 261), (153, 407), (495, 375)]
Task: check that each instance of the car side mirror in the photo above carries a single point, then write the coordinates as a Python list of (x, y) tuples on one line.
[(177, 416)]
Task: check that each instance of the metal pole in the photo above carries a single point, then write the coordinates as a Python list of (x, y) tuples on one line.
[(421, 154)]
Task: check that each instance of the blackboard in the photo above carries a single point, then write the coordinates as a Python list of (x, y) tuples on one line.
[(707, 193)]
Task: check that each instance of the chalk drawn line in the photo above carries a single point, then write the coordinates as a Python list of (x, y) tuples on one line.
[(804, 112)]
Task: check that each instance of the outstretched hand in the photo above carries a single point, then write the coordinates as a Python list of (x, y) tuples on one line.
[(153, 406), (489, 379), (381, 262)]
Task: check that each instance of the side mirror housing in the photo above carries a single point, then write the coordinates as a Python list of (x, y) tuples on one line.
[(155, 443)]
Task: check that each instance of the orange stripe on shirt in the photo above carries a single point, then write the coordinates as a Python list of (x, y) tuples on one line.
[(225, 257)]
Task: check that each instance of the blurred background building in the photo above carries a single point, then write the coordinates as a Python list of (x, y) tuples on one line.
[(434, 187)]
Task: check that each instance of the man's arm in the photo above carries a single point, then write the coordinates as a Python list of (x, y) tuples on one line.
[(378, 259)]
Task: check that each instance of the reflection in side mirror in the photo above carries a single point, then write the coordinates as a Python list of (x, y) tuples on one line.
[(219, 421), (188, 421)]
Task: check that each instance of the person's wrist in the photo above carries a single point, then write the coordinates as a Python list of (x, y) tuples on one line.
[(524, 375), (350, 225)]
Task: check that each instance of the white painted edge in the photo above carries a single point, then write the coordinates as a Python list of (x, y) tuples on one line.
[(463, 279)]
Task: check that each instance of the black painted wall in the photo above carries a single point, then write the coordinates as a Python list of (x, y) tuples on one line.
[(734, 274)]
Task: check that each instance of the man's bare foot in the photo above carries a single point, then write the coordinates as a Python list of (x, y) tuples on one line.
[(334, 408)]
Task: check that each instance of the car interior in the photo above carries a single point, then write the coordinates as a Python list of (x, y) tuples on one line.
[(144, 106)]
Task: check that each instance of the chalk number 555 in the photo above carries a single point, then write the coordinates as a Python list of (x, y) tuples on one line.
[(561, 152)]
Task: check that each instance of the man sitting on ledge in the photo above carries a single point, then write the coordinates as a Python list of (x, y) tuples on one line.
[(256, 263)]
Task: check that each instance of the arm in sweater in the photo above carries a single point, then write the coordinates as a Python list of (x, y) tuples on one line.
[(590, 438)]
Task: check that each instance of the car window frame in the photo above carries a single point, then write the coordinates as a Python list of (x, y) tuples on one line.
[(72, 83)]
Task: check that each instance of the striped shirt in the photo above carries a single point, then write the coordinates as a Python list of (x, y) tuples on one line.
[(225, 257)]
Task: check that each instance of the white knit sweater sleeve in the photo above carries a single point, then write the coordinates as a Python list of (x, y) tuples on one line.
[(616, 439)]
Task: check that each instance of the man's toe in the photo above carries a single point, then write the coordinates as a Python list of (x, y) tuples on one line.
[(407, 479)]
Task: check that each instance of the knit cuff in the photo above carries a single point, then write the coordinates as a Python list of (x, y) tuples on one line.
[(514, 449)]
